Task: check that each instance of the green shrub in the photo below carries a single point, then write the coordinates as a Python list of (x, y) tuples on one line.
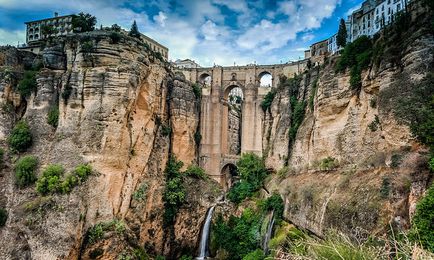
[(423, 221), (95, 233), (395, 160), (373, 126), (239, 191), (197, 90), (252, 172), (140, 193), (28, 84), (76, 177), (268, 99), (166, 130), (328, 163), (258, 254), (115, 37), (20, 138), (174, 193), (356, 78), (298, 110), (49, 182), (313, 94), (274, 202), (3, 217), (25, 170), (196, 172), (239, 235), (385, 187), (87, 47), (53, 116)]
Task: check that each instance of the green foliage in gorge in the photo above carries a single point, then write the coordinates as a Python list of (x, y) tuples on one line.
[(423, 221), (174, 193), (25, 171)]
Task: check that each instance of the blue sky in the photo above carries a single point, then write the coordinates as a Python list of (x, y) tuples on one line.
[(209, 31)]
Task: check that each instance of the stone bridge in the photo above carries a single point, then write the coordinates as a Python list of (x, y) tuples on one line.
[(216, 157)]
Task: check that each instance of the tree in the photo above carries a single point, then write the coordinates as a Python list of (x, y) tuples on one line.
[(342, 34), (48, 30), (83, 22), (116, 28), (134, 32), (423, 221)]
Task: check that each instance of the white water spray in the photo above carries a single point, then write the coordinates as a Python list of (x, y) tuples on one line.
[(205, 235)]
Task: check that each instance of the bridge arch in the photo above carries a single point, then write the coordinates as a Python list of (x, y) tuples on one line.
[(205, 79), (231, 121), (229, 175), (265, 79)]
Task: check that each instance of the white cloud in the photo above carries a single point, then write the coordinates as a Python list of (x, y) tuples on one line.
[(160, 19), (196, 28), (11, 37), (352, 9)]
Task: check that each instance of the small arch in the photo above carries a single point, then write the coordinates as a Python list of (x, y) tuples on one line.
[(205, 79), (230, 175), (234, 76), (265, 79)]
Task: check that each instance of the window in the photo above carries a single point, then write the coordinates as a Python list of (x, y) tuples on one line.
[(398, 7)]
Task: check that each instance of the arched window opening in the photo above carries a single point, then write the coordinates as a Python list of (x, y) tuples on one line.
[(266, 80), (205, 79), (230, 174)]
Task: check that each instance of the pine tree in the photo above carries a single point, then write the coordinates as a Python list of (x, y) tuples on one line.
[(134, 32), (342, 34)]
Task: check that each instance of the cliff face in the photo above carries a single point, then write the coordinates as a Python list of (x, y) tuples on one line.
[(352, 165), (121, 111)]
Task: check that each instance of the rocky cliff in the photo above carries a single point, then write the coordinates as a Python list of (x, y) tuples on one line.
[(352, 165), (122, 111)]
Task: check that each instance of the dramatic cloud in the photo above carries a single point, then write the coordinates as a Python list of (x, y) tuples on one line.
[(209, 31)]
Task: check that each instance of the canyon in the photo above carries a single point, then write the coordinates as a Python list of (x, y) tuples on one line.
[(127, 112)]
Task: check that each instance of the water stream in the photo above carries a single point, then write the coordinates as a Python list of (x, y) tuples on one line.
[(269, 233), (205, 235)]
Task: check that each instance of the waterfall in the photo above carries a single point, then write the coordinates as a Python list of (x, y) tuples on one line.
[(205, 235), (268, 234)]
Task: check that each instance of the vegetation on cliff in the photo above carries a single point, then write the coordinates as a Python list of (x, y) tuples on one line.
[(252, 172), (20, 138), (423, 221), (174, 193), (25, 170)]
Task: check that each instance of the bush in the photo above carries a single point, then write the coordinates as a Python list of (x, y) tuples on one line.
[(239, 191), (166, 130), (50, 180), (274, 202), (140, 193), (196, 172), (197, 90), (28, 84), (87, 47), (423, 221), (174, 193), (258, 254), (395, 160), (239, 236), (20, 138), (268, 99), (298, 109), (313, 94), (115, 37), (431, 164), (25, 171), (3, 217), (385, 188), (53, 116), (78, 176), (373, 126), (328, 163)]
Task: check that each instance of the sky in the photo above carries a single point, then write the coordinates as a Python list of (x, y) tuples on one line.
[(211, 32)]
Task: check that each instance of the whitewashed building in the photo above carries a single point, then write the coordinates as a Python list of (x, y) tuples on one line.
[(373, 15), (185, 64)]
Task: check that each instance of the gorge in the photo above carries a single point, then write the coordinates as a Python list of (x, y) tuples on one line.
[(135, 159)]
